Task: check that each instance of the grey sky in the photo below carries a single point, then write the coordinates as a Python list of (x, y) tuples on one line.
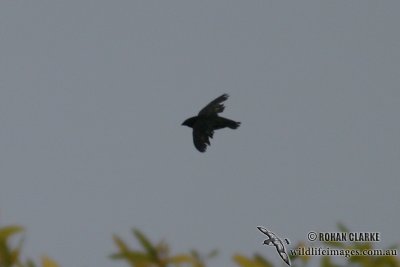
[(92, 95)]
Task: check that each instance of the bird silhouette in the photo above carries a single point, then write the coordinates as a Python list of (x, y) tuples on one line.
[(207, 121)]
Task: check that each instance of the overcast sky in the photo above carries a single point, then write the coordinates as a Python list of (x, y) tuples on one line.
[(93, 92)]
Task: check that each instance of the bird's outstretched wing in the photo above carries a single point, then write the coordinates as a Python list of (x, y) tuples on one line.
[(214, 106), (201, 137), (276, 241)]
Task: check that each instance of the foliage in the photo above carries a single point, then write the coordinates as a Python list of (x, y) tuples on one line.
[(363, 261), (10, 256), (156, 254), (328, 261), (159, 255)]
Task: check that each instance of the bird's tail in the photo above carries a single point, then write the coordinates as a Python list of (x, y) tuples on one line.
[(232, 124), (222, 122)]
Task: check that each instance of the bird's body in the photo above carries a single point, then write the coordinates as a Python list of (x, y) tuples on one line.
[(207, 121)]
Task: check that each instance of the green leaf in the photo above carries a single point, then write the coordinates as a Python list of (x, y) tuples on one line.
[(120, 244), (195, 254), (14, 256), (214, 253), (244, 261), (146, 244), (9, 256), (326, 262), (30, 263), (8, 231), (342, 228), (131, 256), (262, 260)]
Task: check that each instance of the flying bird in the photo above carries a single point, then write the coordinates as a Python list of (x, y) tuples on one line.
[(273, 240), (207, 121)]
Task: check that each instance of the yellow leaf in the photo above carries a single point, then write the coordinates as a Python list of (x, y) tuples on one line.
[(244, 261), (180, 258), (48, 262)]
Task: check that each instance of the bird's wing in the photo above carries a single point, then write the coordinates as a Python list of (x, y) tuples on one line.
[(214, 106), (282, 251), (285, 257), (201, 137), (266, 232)]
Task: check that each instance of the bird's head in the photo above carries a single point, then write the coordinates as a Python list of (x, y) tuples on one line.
[(189, 122)]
